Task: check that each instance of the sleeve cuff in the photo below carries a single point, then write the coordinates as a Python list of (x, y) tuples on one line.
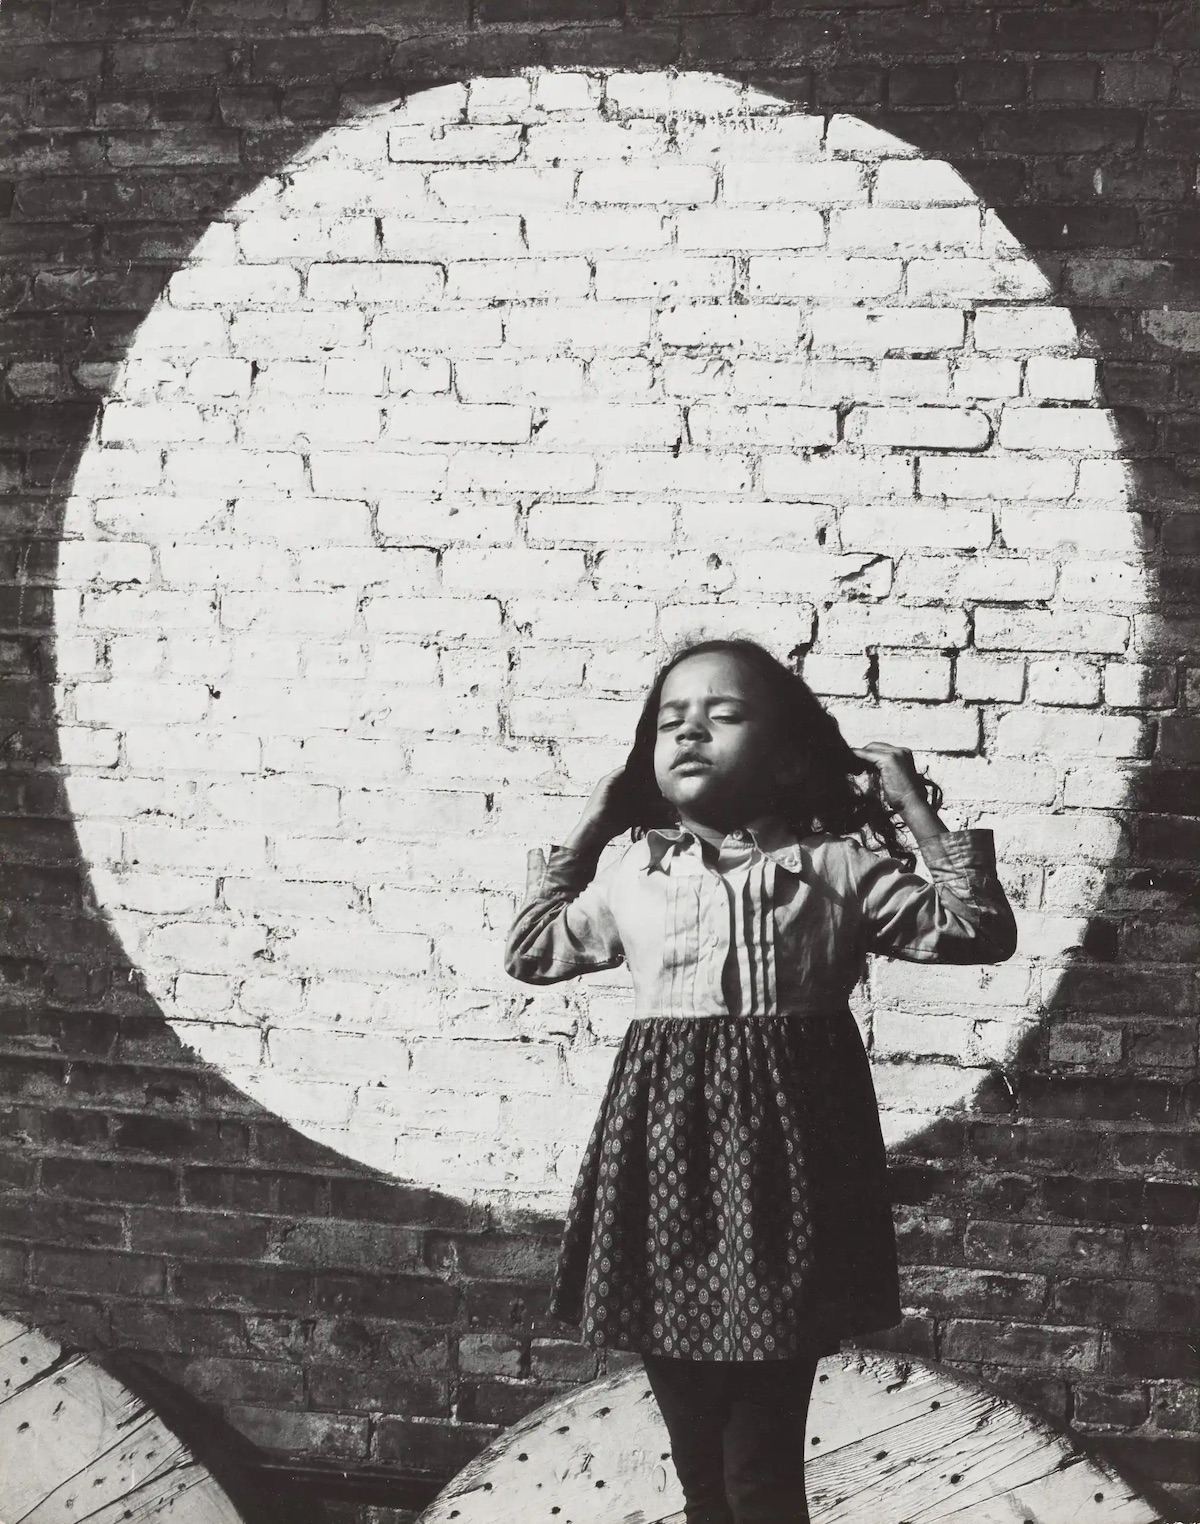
[(567, 869), (961, 849)]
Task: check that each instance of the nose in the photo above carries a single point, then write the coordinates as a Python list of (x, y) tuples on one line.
[(691, 727)]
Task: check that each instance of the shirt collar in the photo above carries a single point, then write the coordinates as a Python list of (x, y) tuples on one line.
[(771, 834)]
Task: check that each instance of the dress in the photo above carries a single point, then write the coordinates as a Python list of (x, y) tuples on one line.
[(732, 1200)]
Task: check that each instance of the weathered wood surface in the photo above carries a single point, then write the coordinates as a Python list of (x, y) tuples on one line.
[(76, 1445), (890, 1440)]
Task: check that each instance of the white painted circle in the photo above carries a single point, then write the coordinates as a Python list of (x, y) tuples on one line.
[(440, 435)]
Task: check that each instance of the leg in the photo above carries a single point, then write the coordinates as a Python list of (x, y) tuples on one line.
[(764, 1441), (693, 1398)]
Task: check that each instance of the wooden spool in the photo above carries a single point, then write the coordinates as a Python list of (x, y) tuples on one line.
[(889, 1439), (75, 1444)]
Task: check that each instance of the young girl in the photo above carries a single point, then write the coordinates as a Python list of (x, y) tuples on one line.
[(731, 1220)]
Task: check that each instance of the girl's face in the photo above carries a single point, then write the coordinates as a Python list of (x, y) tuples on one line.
[(715, 757)]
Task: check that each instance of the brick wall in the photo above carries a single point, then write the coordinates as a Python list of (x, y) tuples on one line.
[(384, 457)]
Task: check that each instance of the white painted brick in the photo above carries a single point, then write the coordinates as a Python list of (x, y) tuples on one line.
[(328, 612), (613, 621), (590, 142), (98, 561), (756, 139), (921, 727), (503, 187), (759, 327), (902, 231), (1084, 834), (162, 423), (775, 227), (971, 579), (304, 520), (836, 478), (836, 676), (446, 422), (465, 332), (564, 90), (716, 426), (371, 473), (662, 471), (995, 476), (628, 672), (987, 378), (288, 378), (666, 574), (362, 375), (1072, 531), (518, 569), (445, 239), (504, 380), (1051, 379), (1108, 785), (816, 575), (657, 184), (1087, 430), (457, 143), (1138, 685), (487, 280), (1026, 732), (233, 286), (176, 846), (183, 749), (171, 331), (591, 326), (447, 618), (980, 779), (296, 335), (914, 677), (878, 331), (1064, 682), (781, 523), (521, 471), (1049, 630), (819, 183), (639, 94), (855, 626), (118, 473), (596, 718), (922, 428), (920, 182), (498, 100), (416, 519), (610, 426), (918, 380), (393, 285), (213, 378), (1007, 330), (321, 421), (824, 278), (481, 762), (1109, 581), (586, 230), (138, 610), (665, 275), (267, 239), (976, 280)]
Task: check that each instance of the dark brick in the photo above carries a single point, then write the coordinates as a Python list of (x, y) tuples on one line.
[(232, 1285), (907, 29), (1081, 30), (1163, 837), (491, 12), (1122, 992), (1111, 1404), (1065, 82), (1165, 1459), (922, 85), (382, 1201), (348, 1387), (40, 1221), (1157, 1153), (179, 1329), (219, 1379), (492, 1257), (1173, 132), (859, 85), (96, 1180), (1134, 1352), (334, 1242), (319, 1436), (1176, 1407), (168, 63), (1165, 1202), (344, 56), (88, 289), (497, 1401), (1008, 1343), (944, 1288), (1042, 1245), (779, 44), (991, 83), (520, 1310), (175, 147), (200, 1235), (442, 1448), (1025, 1143), (63, 61), (410, 1297), (1072, 227), (78, 1269), (236, 15), (1066, 131)]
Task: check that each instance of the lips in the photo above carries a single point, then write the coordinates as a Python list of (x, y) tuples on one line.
[(689, 758)]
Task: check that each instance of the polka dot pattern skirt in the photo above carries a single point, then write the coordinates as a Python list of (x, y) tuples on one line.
[(732, 1203)]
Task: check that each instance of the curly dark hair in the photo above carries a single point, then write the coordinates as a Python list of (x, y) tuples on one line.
[(828, 796)]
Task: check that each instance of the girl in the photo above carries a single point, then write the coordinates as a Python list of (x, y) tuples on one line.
[(731, 1220)]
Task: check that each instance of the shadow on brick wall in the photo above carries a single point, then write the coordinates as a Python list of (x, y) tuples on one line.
[(149, 1209)]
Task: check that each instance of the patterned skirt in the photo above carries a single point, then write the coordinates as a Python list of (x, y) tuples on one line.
[(732, 1201)]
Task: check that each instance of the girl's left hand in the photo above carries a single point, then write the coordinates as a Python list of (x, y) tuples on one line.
[(897, 772)]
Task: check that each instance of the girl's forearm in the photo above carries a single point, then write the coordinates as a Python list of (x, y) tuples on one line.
[(923, 821)]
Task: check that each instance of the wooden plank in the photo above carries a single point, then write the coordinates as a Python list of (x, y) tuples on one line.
[(78, 1445), (896, 1440)]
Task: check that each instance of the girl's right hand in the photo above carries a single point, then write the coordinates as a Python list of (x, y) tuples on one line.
[(606, 814)]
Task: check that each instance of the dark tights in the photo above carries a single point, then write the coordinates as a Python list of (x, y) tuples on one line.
[(737, 1436)]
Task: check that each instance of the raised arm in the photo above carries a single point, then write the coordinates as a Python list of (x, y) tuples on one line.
[(961, 913), (565, 926)]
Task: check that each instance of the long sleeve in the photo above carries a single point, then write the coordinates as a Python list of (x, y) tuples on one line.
[(960, 915), (565, 926)]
